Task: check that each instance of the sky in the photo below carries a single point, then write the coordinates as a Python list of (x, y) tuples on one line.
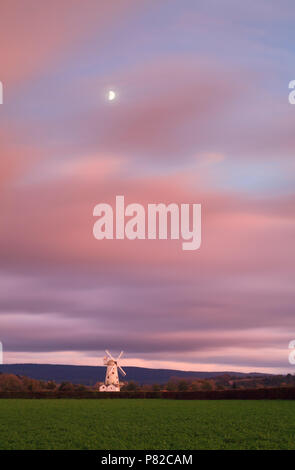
[(201, 116)]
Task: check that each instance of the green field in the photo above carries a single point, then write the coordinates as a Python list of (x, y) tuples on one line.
[(146, 424)]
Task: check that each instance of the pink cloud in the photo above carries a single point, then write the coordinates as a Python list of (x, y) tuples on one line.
[(34, 35)]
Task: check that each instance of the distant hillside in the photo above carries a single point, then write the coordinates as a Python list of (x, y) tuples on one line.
[(89, 375)]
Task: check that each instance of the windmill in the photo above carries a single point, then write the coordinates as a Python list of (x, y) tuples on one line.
[(112, 383)]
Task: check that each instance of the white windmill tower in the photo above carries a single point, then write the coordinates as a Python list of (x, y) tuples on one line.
[(112, 383)]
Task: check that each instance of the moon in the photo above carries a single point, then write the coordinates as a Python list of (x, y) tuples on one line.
[(111, 95)]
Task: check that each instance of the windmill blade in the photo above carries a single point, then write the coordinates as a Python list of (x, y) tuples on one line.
[(120, 355), (109, 354), (121, 370)]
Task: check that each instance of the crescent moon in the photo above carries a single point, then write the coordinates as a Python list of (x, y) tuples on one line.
[(111, 95)]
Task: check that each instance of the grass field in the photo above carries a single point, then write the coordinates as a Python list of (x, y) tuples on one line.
[(146, 424)]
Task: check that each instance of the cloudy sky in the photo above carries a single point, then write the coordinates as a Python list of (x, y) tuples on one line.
[(201, 115)]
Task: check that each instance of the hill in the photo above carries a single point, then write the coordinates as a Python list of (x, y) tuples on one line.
[(89, 375)]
